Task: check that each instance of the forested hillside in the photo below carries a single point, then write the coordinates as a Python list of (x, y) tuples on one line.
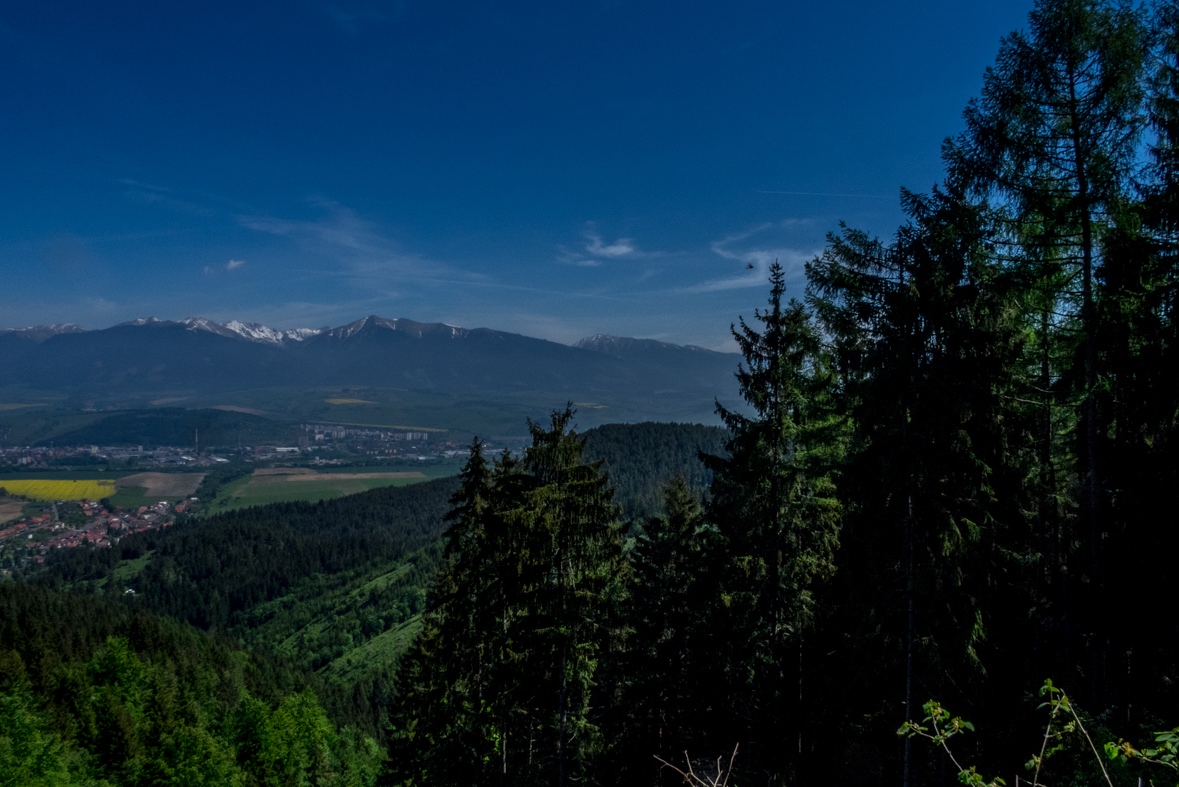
[(177, 426), (641, 459), (335, 587), (209, 571), (98, 693)]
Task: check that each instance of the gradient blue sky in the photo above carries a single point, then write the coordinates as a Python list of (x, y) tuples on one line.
[(554, 169)]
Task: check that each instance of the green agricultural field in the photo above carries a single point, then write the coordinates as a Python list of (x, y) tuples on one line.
[(132, 497), (436, 468), (255, 490)]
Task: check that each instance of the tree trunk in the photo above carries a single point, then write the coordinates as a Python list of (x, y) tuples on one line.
[(910, 548), (1090, 464)]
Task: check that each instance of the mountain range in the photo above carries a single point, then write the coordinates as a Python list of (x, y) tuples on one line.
[(149, 356)]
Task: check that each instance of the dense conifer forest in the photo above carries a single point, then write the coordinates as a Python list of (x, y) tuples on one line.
[(94, 692), (950, 483)]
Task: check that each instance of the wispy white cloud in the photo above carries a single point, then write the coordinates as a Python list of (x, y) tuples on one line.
[(596, 250), (623, 247), (757, 261), (567, 257), (232, 265), (163, 197), (356, 249)]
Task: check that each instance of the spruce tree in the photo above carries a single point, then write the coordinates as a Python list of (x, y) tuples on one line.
[(565, 577), (501, 683), (927, 351), (442, 729), (670, 650), (1053, 141), (774, 502)]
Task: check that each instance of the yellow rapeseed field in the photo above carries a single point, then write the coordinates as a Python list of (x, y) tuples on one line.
[(60, 490)]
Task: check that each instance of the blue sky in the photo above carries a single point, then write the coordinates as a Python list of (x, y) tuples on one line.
[(554, 169)]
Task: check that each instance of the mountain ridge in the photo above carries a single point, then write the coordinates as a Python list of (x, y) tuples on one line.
[(150, 355), (257, 332), (617, 345)]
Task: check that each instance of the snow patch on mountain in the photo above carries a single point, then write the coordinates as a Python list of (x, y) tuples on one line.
[(40, 333), (260, 333)]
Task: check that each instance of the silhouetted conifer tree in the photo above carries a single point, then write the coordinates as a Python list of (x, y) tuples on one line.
[(1053, 139), (774, 502)]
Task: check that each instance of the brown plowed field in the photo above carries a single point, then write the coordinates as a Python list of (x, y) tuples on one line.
[(9, 507), (163, 485)]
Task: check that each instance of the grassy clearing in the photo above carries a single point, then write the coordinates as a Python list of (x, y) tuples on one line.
[(127, 570), (385, 648), (396, 575)]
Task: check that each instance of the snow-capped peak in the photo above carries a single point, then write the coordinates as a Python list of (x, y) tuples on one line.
[(255, 332), (40, 333), (260, 333), (299, 334)]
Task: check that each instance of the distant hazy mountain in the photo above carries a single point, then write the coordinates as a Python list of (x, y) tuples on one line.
[(624, 347), (195, 354), (678, 362)]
